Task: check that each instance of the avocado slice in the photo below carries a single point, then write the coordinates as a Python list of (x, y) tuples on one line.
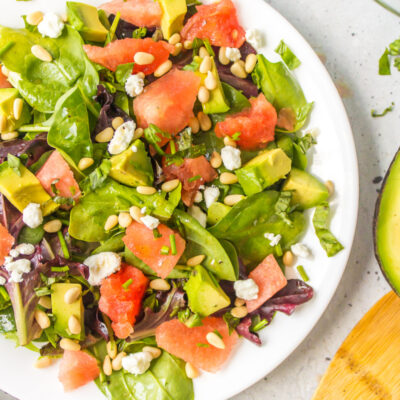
[(263, 171), (173, 14), (85, 19), (63, 311), (23, 189), (216, 212), (7, 98), (132, 168), (204, 293), (308, 191)]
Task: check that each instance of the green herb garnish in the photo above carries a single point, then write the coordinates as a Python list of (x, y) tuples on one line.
[(194, 178), (60, 269), (126, 284), (303, 273), (164, 250), (376, 114), (63, 244), (156, 233), (173, 244)]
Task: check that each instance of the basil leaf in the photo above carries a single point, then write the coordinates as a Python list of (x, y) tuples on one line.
[(287, 55), (15, 163)]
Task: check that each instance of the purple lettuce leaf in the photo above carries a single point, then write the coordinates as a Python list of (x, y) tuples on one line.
[(94, 321), (243, 329), (125, 29), (11, 218), (51, 351)]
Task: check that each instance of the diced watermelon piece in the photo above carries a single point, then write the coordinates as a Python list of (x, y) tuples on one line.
[(137, 12), (4, 82), (269, 278), (6, 243), (56, 169), (141, 242), (77, 368), (186, 343)]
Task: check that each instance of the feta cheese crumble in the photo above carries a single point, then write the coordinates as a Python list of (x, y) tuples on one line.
[(32, 215), (51, 25), (246, 289), (253, 36), (25, 249), (273, 239), (134, 85), (196, 213), (123, 136), (300, 250), (233, 54), (101, 266), (2, 281), (150, 222), (14, 253), (211, 195), (17, 269), (137, 363), (231, 157)]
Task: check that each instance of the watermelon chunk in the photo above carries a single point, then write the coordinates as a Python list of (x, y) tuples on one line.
[(4, 82), (6, 243), (269, 278)]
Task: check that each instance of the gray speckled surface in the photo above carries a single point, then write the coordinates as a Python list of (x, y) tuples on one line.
[(350, 35)]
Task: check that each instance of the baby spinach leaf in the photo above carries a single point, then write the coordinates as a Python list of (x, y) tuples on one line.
[(14, 163), (7, 321), (123, 72), (96, 178), (287, 55), (384, 63), (31, 235)]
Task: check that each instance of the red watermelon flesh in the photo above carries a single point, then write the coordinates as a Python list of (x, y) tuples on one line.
[(6, 243)]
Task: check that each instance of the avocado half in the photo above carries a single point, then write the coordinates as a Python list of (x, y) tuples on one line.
[(387, 225)]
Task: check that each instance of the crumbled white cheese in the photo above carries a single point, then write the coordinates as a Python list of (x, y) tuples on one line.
[(202, 187), (150, 222), (143, 210), (137, 363), (123, 136), (134, 149), (2, 281), (246, 289), (300, 250), (17, 269), (233, 54), (253, 36), (211, 195), (231, 157), (101, 266), (7, 260), (134, 85), (273, 239), (32, 215), (51, 25), (25, 249), (199, 197), (14, 253), (196, 213)]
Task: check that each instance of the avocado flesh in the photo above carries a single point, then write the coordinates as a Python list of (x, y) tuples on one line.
[(216, 212), (173, 14), (204, 293), (263, 171), (132, 168), (7, 98), (63, 311), (308, 191), (85, 19)]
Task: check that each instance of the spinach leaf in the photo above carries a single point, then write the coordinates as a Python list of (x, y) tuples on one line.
[(384, 63), (14, 163), (31, 235), (96, 178), (114, 244), (287, 55), (123, 72), (7, 321), (321, 225)]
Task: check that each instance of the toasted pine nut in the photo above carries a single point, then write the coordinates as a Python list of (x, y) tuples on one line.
[(64, 17), (203, 52), (191, 371), (239, 302), (3, 123), (72, 295), (17, 108), (205, 121), (42, 319), (52, 226), (112, 221), (288, 258), (216, 160), (205, 65), (194, 125), (331, 187), (135, 213), (178, 49), (169, 186), (154, 351), (124, 219), (227, 178), (160, 284), (138, 133), (41, 53), (117, 362), (196, 260), (238, 70), (203, 95), (163, 68), (112, 349), (215, 340), (233, 199), (210, 82), (34, 18), (45, 301), (239, 312), (199, 197), (105, 135), (147, 190), (43, 362), (117, 122), (68, 344), (229, 142), (251, 61), (223, 59), (107, 366), (174, 39), (85, 162), (143, 58), (74, 325), (188, 44), (9, 135), (5, 71)]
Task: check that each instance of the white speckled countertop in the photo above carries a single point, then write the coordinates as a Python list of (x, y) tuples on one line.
[(350, 36)]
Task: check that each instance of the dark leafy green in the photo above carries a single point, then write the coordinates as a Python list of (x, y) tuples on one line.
[(31, 235), (287, 55), (96, 178)]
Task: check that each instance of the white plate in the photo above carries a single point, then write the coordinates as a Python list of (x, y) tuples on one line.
[(334, 158)]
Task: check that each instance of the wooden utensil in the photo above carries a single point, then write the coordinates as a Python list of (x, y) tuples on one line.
[(367, 365)]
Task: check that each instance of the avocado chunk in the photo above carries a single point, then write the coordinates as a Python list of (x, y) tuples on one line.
[(204, 293), (173, 14), (263, 171), (63, 311), (23, 189), (7, 98), (85, 19), (132, 168), (308, 191), (216, 212)]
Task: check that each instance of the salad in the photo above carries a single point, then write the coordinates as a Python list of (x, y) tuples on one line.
[(154, 192)]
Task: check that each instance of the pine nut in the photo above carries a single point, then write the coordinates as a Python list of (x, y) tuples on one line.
[(64, 17), (111, 222), (143, 58), (43, 362), (178, 49), (205, 65), (74, 325), (288, 259), (9, 135), (174, 39), (223, 59), (169, 186), (117, 362), (112, 349), (72, 295), (199, 197), (154, 351), (17, 108), (105, 135), (147, 190), (203, 95), (331, 187), (117, 122), (138, 133), (45, 301), (163, 68), (34, 18), (233, 199), (194, 124), (5, 71), (3, 123), (85, 162), (42, 319), (210, 82), (227, 178), (238, 70), (203, 52), (196, 260), (251, 61), (52, 226), (229, 142), (41, 53), (191, 371), (160, 284), (135, 213), (107, 366), (205, 121), (124, 219), (141, 75), (216, 160), (239, 312), (239, 302), (188, 44), (215, 340), (69, 345)]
